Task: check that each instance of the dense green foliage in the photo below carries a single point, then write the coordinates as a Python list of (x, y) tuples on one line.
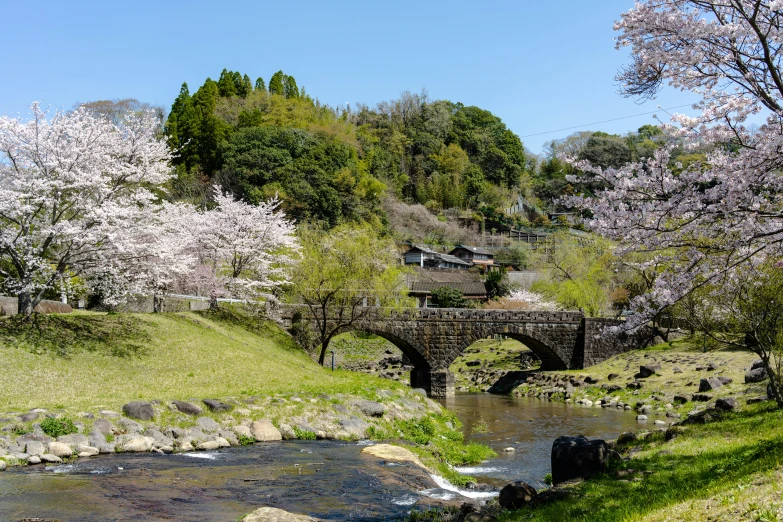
[(449, 297), (58, 427), (334, 165)]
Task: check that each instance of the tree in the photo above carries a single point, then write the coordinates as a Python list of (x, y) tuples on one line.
[(260, 85), (276, 83), (576, 275), (713, 216), (249, 248), (716, 218), (342, 276), (497, 284), (245, 87), (118, 110), (448, 297), (289, 87), (75, 196), (226, 85), (743, 311)]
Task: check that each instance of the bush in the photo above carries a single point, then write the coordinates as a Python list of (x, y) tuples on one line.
[(303, 434), (244, 440), (58, 427)]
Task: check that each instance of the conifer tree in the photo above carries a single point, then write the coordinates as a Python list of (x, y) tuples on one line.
[(290, 88), (260, 85), (226, 85), (246, 87), (276, 83)]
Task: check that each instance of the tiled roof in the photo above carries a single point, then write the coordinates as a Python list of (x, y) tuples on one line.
[(444, 275), (475, 289), (453, 259), (475, 250)]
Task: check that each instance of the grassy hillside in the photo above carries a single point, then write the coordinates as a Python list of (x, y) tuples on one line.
[(88, 361), (722, 471)]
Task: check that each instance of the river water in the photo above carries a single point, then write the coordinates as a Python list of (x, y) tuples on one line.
[(327, 479)]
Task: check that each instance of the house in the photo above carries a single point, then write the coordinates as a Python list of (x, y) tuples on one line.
[(474, 255), (422, 291), (422, 282), (428, 258)]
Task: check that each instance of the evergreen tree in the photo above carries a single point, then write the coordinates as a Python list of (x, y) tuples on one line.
[(290, 88), (260, 85), (246, 87), (226, 85), (276, 83)]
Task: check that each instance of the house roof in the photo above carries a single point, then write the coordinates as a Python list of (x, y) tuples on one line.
[(475, 250), (453, 259), (473, 288), (444, 275), (421, 248)]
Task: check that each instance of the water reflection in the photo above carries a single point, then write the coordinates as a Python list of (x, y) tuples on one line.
[(529, 426)]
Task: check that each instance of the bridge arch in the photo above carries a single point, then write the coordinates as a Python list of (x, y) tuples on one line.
[(420, 375), (550, 358)]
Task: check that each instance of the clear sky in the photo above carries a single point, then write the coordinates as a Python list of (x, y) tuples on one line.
[(540, 66)]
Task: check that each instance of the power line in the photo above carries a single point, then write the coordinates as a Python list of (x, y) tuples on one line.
[(606, 121)]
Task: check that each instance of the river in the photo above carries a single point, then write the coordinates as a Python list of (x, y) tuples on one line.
[(327, 479)]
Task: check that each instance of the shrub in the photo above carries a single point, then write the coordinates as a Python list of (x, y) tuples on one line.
[(303, 434), (58, 427), (244, 440)]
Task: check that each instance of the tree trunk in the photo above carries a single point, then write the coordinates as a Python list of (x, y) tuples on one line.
[(25, 304), (321, 357), (213, 302), (157, 303)]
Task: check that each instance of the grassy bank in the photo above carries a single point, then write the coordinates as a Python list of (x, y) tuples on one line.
[(683, 363), (727, 470), (102, 361), (74, 366)]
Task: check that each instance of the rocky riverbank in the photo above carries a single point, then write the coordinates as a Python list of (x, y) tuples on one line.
[(663, 385), (51, 436)]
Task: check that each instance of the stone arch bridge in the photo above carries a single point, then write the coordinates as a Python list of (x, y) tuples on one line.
[(432, 338)]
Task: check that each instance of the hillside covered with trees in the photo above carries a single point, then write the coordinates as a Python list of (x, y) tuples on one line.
[(334, 165)]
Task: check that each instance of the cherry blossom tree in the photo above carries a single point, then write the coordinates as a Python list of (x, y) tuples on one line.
[(76, 193), (249, 248), (704, 225), (699, 222)]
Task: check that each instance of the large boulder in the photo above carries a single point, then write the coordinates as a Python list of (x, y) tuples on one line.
[(35, 448), (187, 407), (727, 404), (138, 444), (648, 370), (354, 426), (270, 514), (73, 440), (578, 457), (709, 384), (514, 495), (103, 426), (59, 449), (264, 431), (370, 408), (207, 424), (215, 405), (756, 375), (139, 410)]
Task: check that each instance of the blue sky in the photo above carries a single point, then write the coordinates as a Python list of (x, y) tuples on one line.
[(540, 66)]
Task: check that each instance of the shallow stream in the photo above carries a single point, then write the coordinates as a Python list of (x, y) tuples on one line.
[(327, 479)]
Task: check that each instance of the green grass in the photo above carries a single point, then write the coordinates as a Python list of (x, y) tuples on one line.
[(725, 470), (88, 361), (494, 356), (685, 354)]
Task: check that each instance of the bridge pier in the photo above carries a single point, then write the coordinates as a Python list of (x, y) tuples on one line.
[(439, 384)]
